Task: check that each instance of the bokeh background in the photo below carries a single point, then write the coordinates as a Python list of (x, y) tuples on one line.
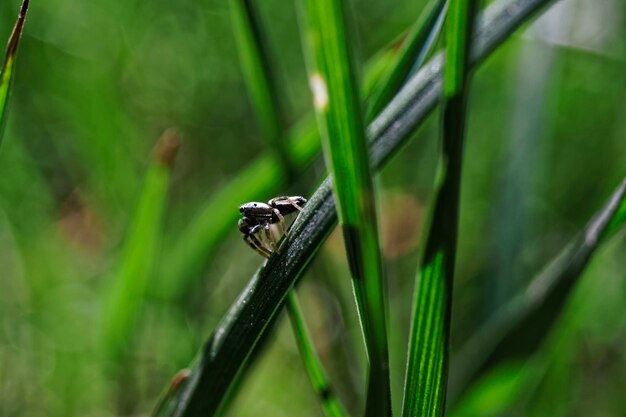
[(99, 81)]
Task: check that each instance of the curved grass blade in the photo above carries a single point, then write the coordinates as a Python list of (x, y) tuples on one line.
[(6, 73), (330, 403), (339, 113), (123, 307), (258, 74), (520, 326), (227, 349), (414, 50), (427, 367)]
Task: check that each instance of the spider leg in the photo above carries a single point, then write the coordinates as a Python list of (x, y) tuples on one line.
[(281, 220), (289, 200), (259, 245), (254, 243), (270, 238)]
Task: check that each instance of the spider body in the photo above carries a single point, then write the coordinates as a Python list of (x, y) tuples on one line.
[(258, 217)]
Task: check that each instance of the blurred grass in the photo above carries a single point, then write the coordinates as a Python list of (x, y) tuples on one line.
[(97, 81), (518, 328), (257, 67), (123, 307)]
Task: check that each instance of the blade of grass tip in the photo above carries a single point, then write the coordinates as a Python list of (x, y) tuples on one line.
[(124, 303), (254, 56), (427, 367), (314, 368), (265, 176), (227, 350), (6, 74), (516, 330), (415, 48), (338, 107)]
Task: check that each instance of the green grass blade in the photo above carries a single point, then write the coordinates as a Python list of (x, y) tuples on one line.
[(123, 306), (520, 326), (414, 50), (330, 403), (427, 367), (339, 112), (258, 74), (337, 104), (6, 73), (228, 348)]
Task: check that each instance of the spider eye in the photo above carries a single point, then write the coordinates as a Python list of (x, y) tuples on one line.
[(240, 209)]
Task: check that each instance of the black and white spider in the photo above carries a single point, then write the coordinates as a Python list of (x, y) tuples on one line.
[(258, 217)]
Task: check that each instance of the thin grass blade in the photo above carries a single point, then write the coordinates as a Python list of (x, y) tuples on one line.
[(124, 304), (330, 403), (258, 75), (414, 50), (427, 367), (521, 325), (339, 113), (228, 348), (7, 71)]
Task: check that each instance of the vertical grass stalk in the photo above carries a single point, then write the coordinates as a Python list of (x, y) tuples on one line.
[(427, 367), (314, 368), (124, 304), (254, 56), (338, 107)]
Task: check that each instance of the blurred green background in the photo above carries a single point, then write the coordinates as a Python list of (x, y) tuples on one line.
[(98, 82)]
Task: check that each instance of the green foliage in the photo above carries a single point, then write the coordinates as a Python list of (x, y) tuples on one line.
[(233, 340), (110, 281)]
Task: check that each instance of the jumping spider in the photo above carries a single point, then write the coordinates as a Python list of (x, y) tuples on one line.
[(257, 217)]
